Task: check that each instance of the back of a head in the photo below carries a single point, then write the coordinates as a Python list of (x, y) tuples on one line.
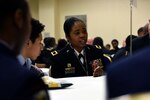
[(61, 43), (98, 41), (49, 42), (8, 9), (14, 23), (129, 39), (68, 25)]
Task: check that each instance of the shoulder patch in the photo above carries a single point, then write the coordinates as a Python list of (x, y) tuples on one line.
[(54, 53), (98, 46), (108, 57)]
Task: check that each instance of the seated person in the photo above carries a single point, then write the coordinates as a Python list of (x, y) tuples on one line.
[(142, 42), (99, 41), (44, 59), (61, 44), (124, 51), (77, 58), (32, 48), (114, 44)]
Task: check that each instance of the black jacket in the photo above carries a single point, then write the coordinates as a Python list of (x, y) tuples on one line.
[(66, 64)]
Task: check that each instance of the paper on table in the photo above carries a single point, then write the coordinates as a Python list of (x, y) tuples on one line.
[(55, 83)]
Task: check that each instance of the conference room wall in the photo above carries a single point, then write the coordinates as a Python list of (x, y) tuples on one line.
[(106, 18), (34, 5)]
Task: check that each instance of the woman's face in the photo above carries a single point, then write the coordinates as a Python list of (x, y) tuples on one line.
[(78, 36)]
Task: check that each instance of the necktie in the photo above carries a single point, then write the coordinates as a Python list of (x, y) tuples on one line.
[(81, 58)]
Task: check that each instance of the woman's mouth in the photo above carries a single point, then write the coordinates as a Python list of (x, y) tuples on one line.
[(83, 42)]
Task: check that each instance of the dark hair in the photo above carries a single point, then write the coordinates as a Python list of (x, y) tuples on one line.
[(69, 23), (114, 40), (49, 42), (61, 43), (98, 41), (9, 7), (128, 40), (37, 28), (141, 29)]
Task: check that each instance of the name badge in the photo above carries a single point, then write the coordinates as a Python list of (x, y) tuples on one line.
[(70, 69)]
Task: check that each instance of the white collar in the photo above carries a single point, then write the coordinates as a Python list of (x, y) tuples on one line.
[(77, 53), (22, 60), (82, 52)]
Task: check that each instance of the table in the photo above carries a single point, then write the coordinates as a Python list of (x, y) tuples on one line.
[(83, 88)]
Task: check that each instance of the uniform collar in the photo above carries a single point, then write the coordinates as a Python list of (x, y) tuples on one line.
[(22, 61), (77, 53)]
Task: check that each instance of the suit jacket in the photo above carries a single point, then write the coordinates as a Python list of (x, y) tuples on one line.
[(45, 57), (129, 76), (16, 82), (140, 43), (66, 64)]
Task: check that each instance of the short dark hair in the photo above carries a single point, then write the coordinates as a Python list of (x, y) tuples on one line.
[(98, 41), (141, 29), (37, 28), (69, 23), (49, 42), (128, 40), (114, 40), (61, 43), (9, 7)]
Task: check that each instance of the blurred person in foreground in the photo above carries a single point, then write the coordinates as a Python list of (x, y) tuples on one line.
[(130, 76), (17, 83), (77, 58)]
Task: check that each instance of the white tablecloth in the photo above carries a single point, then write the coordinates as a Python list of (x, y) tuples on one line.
[(83, 88)]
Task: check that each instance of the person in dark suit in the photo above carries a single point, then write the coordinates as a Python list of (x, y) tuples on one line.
[(66, 63), (124, 51), (99, 41), (16, 82), (142, 42)]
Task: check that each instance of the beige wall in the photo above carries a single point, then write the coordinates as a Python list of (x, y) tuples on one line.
[(34, 6), (106, 18)]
